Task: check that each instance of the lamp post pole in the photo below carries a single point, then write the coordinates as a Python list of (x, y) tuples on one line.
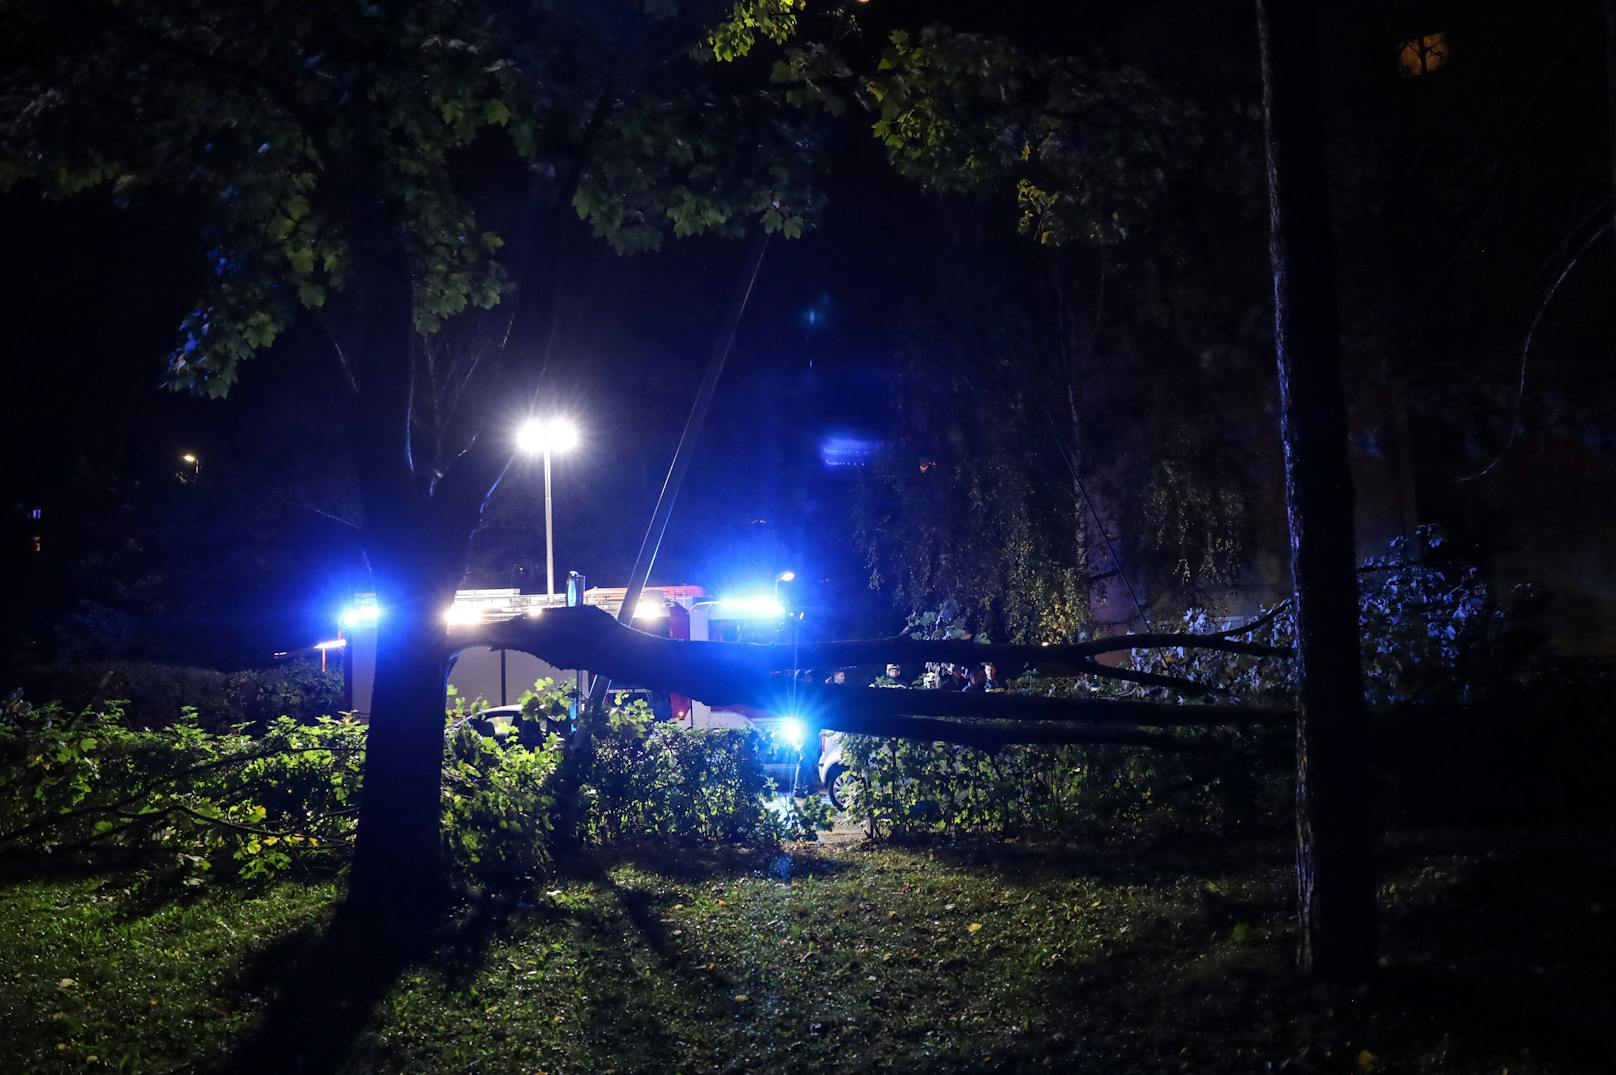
[(546, 437), (549, 529)]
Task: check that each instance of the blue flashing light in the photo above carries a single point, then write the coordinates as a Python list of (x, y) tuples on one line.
[(360, 615), (759, 607), (794, 732), (840, 450)]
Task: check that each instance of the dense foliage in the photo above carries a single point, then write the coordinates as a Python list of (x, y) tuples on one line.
[(1472, 719), (230, 804), (152, 695), (907, 788), (323, 141), (655, 781), (222, 803), (1113, 363)]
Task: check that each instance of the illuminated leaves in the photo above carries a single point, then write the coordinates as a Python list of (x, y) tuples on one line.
[(1088, 150), (672, 168), (734, 37), (322, 143)]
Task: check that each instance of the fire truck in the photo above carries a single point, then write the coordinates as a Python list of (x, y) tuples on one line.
[(500, 676)]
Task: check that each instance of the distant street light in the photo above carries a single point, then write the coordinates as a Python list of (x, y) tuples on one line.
[(784, 576), (536, 436)]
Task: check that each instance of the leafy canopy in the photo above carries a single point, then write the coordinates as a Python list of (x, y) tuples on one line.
[(326, 140), (1088, 147)]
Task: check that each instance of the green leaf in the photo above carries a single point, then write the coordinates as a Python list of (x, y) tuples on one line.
[(496, 112)]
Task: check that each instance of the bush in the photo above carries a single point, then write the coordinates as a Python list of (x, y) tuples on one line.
[(155, 695), (498, 806), (216, 803), (234, 806), (908, 788), (656, 781)]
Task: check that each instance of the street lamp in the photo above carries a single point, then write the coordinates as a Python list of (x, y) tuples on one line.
[(784, 576), (555, 435)]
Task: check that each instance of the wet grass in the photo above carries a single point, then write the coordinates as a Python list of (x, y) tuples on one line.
[(1499, 948)]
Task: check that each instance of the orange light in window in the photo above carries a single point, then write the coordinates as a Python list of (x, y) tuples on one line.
[(1422, 55)]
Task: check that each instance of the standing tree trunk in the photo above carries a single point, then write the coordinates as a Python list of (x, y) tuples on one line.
[(397, 854), (1334, 855), (416, 536), (1610, 96)]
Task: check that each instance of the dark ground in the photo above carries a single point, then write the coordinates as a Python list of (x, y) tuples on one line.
[(1498, 947)]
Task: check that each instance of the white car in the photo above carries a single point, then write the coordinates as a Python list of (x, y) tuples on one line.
[(838, 779)]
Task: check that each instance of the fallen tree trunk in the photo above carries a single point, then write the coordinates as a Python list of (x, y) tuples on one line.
[(1079, 655), (728, 673)]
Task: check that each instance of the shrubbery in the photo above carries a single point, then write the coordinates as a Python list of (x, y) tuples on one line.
[(153, 695), (220, 803), (230, 805), (655, 781), (908, 788), (1472, 720)]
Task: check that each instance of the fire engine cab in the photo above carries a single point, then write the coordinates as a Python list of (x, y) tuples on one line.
[(501, 676)]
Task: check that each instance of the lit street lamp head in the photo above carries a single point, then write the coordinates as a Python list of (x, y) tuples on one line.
[(538, 435)]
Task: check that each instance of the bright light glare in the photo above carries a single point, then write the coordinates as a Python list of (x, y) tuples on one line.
[(360, 615), (462, 615), (555, 435), (335, 643), (785, 576), (794, 732), (188, 458), (758, 608), (650, 609)]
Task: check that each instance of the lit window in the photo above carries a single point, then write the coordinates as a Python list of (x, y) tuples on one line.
[(39, 543), (1422, 55), (36, 514)]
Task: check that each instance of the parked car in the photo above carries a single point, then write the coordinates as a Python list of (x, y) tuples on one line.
[(501, 721), (838, 779)]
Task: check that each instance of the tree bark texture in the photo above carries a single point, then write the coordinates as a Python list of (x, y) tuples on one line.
[(1334, 858)]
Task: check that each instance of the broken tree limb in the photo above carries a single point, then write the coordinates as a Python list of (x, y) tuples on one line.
[(1177, 684), (916, 651), (992, 737), (728, 673)]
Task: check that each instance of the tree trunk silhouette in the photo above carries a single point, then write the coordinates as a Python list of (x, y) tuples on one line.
[(416, 536), (1334, 858)]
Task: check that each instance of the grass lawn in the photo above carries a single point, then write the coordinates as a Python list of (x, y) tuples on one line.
[(1499, 949)]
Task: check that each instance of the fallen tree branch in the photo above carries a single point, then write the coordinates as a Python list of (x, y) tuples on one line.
[(993, 737), (728, 673), (916, 651), (1178, 684)]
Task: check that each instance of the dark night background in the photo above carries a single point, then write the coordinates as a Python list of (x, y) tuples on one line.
[(1461, 192)]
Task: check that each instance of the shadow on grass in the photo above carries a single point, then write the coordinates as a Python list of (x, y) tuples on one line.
[(1030, 862), (21, 868), (711, 863), (1517, 949), (327, 984), (1497, 954)]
